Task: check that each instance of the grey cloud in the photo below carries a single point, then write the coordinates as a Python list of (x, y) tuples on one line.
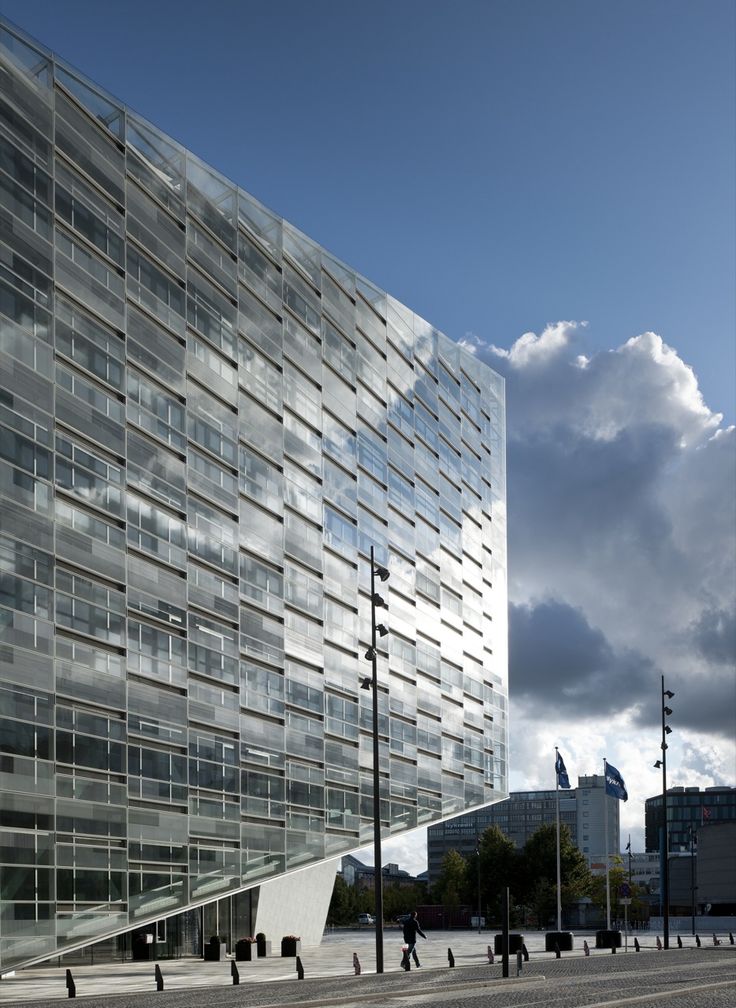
[(560, 664), (714, 635), (703, 703), (560, 476), (562, 667)]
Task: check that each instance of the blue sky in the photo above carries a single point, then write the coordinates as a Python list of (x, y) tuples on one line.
[(496, 165), (552, 182)]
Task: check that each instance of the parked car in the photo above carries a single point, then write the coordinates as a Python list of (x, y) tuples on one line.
[(366, 918)]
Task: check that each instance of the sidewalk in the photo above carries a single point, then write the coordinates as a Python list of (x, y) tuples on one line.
[(332, 959)]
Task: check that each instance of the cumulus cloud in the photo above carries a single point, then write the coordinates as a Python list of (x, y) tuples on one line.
[(532, 350), (622, 560), (622, 566)]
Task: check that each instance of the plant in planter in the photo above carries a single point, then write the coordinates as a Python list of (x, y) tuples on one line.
[(244, 949), (290, 945)]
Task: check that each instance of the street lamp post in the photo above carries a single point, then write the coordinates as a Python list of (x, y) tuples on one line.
[(477, 853), (371, 655), (666, 730), (692, 876)]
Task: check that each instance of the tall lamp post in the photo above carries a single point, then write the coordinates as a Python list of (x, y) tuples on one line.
[(377, 602), (477, 854), (692, 876), (666, 730)]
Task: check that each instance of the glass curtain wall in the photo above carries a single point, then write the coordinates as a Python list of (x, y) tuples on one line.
[(206, 422)]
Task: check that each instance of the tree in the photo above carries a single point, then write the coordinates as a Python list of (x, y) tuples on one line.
[(499, 863), (344, 903), (451, 884), (539, 876), (617, 876), (400, 898)]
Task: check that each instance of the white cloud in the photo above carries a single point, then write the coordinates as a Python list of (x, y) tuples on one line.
[(622, 560), (531, 350), (622, 566)]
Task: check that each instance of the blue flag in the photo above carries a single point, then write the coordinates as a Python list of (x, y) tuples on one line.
[(562, 779), (615, 783)]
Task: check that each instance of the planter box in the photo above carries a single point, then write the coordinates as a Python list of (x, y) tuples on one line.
[(244, 951), (213, 953), (263, 949), (608, 939), (515, 943), (562, 939), (290, 947)]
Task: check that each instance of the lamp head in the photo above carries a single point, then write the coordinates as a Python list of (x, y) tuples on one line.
[(370, 654), (658, 764), (381, 629), (381, 572), (667, 729), (668, 711), (669, 694), (378, 601), (366, 683)]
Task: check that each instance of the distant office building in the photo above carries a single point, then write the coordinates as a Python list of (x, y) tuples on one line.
[(716, 869), (688, 808), (206, 424), (703, 880), (355, 873), (523, 812), (645, 870)]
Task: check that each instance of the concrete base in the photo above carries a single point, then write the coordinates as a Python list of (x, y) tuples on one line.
[(562, 939), (296, 904)]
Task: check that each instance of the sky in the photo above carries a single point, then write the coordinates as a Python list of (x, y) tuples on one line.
[(551, 183)]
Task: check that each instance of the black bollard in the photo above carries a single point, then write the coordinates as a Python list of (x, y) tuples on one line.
[(356, 964), (613, 950), (730, 937), (637, 946), (557, 951), (70, 985), (450, 958), (159, 978), (518, 962), (679, 942), (299, 969), (234, 973), (697, 940)]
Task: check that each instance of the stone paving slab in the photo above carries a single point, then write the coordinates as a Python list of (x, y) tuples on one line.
[(330, 967)]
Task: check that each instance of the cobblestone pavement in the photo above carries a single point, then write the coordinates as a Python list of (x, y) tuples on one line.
[(679, 978)]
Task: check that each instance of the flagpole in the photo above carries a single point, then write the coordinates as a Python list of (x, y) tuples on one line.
[(559, 885), (605, 829)]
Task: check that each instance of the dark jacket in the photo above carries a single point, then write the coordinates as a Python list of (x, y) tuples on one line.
[(411, 930)]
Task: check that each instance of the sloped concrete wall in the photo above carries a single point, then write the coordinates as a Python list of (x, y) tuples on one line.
[(296, 904)]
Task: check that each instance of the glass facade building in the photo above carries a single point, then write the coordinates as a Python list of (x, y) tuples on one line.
[(688, 808), (206, 421)]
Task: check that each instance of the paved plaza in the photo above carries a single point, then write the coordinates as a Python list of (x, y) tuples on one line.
[(330, 976)]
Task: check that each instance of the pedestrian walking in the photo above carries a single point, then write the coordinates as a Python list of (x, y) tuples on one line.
[(411, 930)]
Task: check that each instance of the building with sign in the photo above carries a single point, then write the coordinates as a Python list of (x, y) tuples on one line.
[(521, 814)]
